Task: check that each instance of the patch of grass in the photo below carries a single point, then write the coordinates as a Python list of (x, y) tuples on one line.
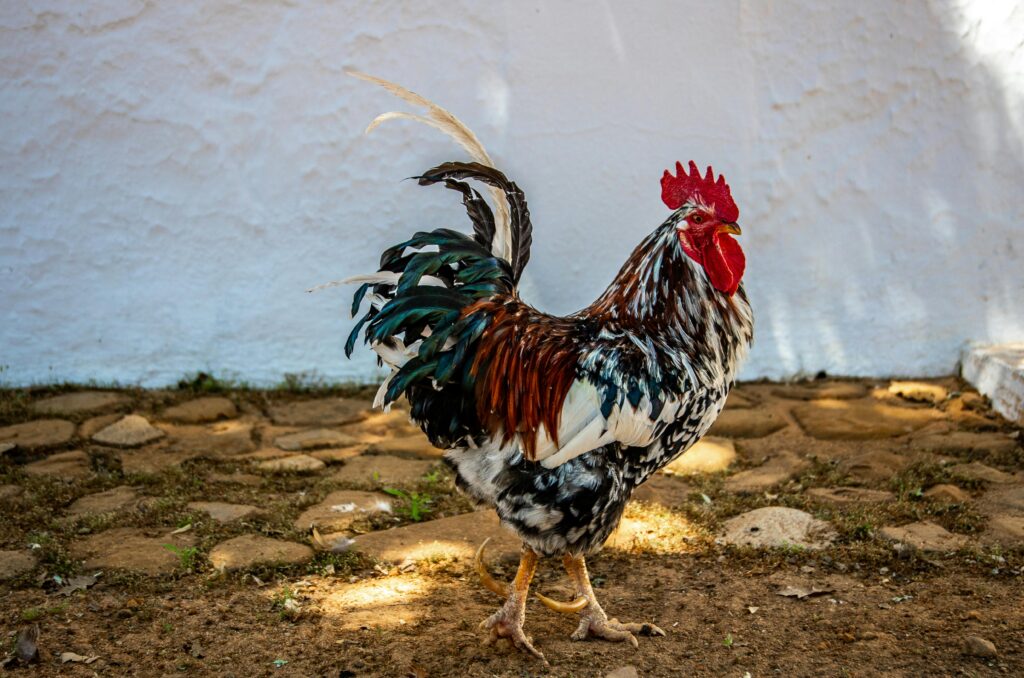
[(858, 523), (302, 382), (14, 405), (340, 564), (32, 614), (961, 518), (862, 531), (343, 564), (53, 554), (792, 549), (296, 383), (314, 383), (188, 556), (919, 476), (824, 473), (286, 604), (201, 382), (415, 504)]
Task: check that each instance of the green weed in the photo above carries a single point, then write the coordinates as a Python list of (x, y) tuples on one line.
[(32, 614), (188, 556), (415, 503)]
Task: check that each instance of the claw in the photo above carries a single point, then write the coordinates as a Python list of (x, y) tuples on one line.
[(648, 629), (486, 579), (499, 629), (571, 607)]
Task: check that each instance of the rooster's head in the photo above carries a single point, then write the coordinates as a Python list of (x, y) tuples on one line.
[(707, 222)]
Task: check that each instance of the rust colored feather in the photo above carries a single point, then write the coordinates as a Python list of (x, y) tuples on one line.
[(524, 367)]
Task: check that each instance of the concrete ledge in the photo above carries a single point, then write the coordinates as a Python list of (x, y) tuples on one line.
[(997, 371)]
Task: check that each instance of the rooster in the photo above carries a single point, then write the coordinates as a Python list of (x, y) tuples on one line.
[(555, 421)]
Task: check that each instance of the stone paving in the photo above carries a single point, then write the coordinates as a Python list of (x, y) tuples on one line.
[(833, 442), (174, 484)]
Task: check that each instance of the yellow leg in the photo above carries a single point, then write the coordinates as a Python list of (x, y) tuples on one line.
[(507, 622), (593, 620)]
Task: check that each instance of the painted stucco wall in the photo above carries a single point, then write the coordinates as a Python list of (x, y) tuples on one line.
[(175, 175)]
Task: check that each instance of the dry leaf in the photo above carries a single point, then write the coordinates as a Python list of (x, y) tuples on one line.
[(79, 583), (318, 541), (66, 657), (801, 592)]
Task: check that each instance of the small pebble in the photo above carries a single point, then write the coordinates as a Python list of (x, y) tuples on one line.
[(977, 646)]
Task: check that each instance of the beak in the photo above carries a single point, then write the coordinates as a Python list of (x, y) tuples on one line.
[(730, 227)]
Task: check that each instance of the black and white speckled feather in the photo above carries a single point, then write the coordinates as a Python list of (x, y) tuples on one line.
[(664, 342)]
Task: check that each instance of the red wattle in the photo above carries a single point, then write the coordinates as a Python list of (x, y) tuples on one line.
[(724, 263)]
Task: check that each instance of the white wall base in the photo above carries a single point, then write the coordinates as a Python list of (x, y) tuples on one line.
[(997, 371)]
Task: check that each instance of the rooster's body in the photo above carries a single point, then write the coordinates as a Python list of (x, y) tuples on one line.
[(554, 421)]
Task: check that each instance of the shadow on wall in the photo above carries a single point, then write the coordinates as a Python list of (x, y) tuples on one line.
[(878, 146), (924, 243)]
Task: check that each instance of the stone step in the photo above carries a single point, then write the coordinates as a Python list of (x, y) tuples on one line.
[(997, 371)]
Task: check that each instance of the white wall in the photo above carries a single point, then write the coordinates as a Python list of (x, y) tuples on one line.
[(174, 175)]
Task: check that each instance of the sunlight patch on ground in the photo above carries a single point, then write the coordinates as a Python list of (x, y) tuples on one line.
[(378, 603), (651, 528), (439, 550), (710, 455), (375, 592), (832, 404), (227, 427)]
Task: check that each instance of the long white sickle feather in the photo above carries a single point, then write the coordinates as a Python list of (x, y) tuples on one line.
[(440, 119)]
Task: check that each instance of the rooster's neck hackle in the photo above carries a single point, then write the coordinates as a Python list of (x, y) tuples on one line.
[(662, 294)]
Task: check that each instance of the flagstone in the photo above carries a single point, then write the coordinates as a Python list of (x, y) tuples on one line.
[(250, 550), (38, 434), (143, 550), (321, 412), (67, 466), (864, 419), (315, 439), (201, 411), (80, 402)]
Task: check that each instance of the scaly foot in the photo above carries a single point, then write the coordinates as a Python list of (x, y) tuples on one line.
[(507, 622), (594, 622)]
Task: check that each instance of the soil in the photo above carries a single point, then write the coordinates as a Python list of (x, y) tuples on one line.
[(875, 606)]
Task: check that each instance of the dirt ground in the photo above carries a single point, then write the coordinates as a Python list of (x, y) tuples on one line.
[(164, 533)]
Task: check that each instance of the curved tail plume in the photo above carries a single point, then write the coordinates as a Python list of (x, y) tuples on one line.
[(439, 118)]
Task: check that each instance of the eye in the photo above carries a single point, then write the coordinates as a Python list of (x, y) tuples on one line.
[(697, 219)]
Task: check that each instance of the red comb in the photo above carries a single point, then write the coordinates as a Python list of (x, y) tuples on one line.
[(676, 190)]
